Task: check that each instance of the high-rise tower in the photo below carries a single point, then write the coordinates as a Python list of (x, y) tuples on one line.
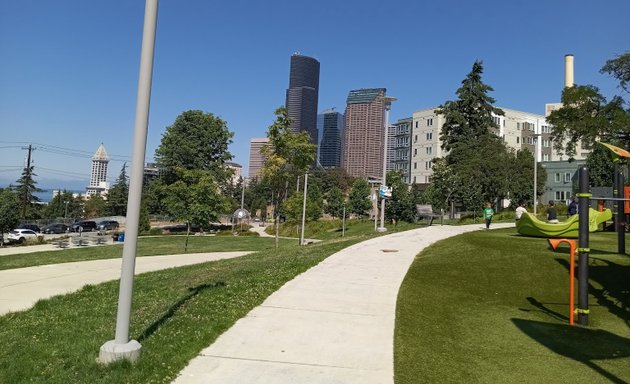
[(98, 178), (362, 153), (332, 136), (302, 94)]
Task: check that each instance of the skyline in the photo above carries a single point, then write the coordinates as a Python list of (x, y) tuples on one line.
[(68, 78)]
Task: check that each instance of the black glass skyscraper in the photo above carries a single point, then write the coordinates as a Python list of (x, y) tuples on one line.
[(302, 94), (332, 135)]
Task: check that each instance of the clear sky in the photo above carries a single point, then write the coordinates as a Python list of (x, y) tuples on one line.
[(69, 68)]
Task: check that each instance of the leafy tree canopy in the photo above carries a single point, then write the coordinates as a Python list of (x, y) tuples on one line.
[(196, 140), (116, 204), (470, 116), (9, 215), (359, 200)]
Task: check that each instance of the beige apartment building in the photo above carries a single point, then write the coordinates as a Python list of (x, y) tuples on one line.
[(519, 130)]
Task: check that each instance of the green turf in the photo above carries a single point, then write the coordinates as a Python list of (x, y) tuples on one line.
[(176, 313), (492, 307), (147, 246)]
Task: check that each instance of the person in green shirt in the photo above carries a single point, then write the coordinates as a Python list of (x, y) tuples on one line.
[(488, 212)]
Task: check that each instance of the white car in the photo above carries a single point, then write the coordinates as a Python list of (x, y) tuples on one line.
[(21, 235)]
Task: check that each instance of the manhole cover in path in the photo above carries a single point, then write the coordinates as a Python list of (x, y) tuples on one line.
[(389, 250)]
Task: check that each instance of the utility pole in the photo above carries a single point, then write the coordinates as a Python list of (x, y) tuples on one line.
[(28, 178)]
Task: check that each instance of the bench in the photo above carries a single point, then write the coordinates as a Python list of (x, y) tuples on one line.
[(426, 211), (80, 241), (61, 244)]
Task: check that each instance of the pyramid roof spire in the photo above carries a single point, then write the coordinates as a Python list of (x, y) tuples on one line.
[(101, 154)]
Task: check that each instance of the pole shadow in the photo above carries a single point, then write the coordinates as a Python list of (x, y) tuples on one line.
[(192, 292)]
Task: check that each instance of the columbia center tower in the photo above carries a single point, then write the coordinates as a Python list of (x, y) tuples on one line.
[(302, 95)]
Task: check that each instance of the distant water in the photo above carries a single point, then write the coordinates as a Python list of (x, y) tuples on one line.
[(47, 195)]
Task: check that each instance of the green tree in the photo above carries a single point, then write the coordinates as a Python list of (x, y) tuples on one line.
[(117, 196), (9, 215), (521, 177), (334, 202), (601, 170), (194, 199), (333, 178), (619, 68), (470, 116), (94, 206), (587, 117), (288, 155), (359, 201), (25, 187), (196, 140), (401, 205)]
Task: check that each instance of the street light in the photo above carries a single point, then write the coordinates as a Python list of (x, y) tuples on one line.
[(536, 141), (388, 106)]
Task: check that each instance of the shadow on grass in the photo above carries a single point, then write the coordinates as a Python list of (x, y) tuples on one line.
[(577, 343), (613, 279), (192, 292), (547, 311)]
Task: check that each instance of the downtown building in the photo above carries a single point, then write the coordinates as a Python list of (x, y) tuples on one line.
[(302, 95), (363, 139), (331, 124), (256, 157), (98, 177)]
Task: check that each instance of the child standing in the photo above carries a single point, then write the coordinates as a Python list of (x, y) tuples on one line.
[(488, 212)]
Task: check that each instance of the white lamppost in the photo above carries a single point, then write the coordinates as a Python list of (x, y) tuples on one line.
[(388, 106), (121, 348), (536, 151)]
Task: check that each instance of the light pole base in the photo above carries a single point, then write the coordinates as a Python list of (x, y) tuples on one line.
[(381, 229), (111, 352)]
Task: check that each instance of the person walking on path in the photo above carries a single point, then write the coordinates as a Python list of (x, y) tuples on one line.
[(488, 212)]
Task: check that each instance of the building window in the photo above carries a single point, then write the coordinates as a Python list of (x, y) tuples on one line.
[(415, 151), (414, 179), (416, 124), (429, 122), (567, 177), (429, 150), (518, 139), (415, 165), (429, 136), (558, 178), (415, 138), (545, 157)]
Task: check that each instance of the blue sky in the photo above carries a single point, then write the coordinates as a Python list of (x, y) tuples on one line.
[(69, 68)]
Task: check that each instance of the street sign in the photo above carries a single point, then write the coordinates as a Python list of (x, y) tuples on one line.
[(385, 192)]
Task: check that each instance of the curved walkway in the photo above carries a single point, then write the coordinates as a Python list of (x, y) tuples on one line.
[(332, 324), (21, 288)]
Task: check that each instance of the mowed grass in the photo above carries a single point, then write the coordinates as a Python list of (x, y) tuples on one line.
[(176, 313), (146, 246), (493, 307)]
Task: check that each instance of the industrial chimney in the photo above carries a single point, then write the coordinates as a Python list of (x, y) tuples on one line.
[(568, 71)]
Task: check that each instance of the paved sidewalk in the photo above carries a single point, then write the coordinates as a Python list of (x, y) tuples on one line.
[(21, 288), (332, 324)]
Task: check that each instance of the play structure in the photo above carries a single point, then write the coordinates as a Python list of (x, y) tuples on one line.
[(530, 225), (585, 227)]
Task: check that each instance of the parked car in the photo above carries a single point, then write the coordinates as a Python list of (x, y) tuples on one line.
[(55, 228), (20, 235), (84, 226), (32, 227), (106, 225)]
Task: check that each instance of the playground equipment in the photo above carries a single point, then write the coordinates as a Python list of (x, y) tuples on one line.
[(530, 225), (555, 243)]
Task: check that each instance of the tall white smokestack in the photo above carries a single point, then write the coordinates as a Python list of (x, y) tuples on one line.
[(568, 70)]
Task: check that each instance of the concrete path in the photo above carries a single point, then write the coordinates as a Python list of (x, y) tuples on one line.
[(332, 324), (21, 288)]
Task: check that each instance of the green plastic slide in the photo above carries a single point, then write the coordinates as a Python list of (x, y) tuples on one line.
[(529, 225)]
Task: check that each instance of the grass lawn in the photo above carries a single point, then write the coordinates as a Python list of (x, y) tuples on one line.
[(147, 246), (176, 313), (492, 307)]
